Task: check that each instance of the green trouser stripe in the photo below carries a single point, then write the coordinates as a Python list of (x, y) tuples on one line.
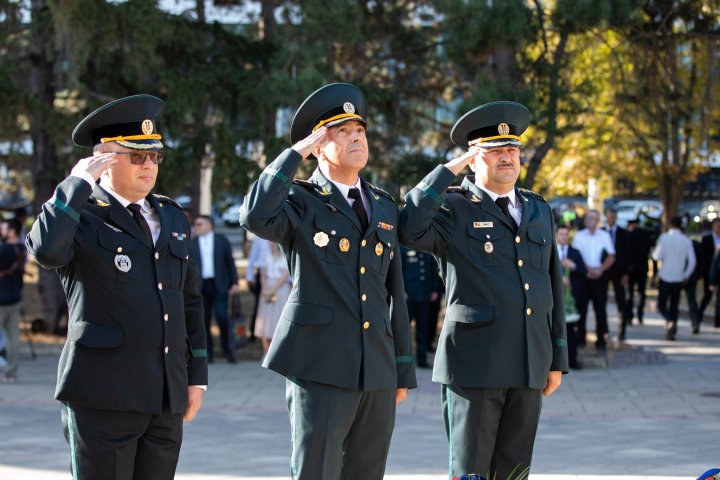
[(560, 342), (404, 359), (67, 209), (448, 395), (277, 174), (431, 192), (71, 434), (199, 352)]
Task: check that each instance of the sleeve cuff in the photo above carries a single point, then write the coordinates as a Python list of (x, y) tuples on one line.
[(85, 176)]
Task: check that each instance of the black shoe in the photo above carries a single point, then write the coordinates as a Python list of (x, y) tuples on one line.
[(230, 358), (696, 329), (640, 321), (670, 336)]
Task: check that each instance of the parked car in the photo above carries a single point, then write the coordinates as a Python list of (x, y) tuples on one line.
[(630, 209), (231, 215)]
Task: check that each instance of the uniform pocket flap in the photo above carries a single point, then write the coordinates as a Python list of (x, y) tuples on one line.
[(306, 314), (116, 241), (179, 248), (96, 335), (475, 314), (484, 233), (334, 226), (387, 237), (538, 236)]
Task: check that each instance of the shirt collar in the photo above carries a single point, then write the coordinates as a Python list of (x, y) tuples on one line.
[(105, 184), (345, 189), (494, 196)]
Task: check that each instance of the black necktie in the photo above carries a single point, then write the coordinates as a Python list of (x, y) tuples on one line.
[(503, 203), (358, 207), (140, 220)]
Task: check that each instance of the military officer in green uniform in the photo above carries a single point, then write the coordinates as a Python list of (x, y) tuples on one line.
[(503, 342), (343, 340), (134, 364)]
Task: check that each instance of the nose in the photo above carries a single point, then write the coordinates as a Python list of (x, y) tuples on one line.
[(148, 161)]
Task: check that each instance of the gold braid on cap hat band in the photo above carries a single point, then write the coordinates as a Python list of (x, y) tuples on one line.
[(151, 136), (337, 117), (496, 137)]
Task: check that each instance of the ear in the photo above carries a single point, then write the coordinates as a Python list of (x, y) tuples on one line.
[(471, 163), (318, 152)]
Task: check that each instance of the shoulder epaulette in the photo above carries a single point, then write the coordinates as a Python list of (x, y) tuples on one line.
[(456, 189), (305, 183), (530, 193), (380, 191), (168, 200)]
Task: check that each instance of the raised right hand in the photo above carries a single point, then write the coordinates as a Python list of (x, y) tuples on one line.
[(306, 146), (458, 164), (96, 164)]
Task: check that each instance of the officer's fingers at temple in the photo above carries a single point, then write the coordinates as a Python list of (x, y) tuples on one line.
[(553, 382), (400, 394), (306, 146), (194, 401)]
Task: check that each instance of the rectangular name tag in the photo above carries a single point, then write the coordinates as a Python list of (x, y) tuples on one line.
[(482, 224)]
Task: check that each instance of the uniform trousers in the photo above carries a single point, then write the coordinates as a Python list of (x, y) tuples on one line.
[(338, 434), (491, 431), (115, 445)]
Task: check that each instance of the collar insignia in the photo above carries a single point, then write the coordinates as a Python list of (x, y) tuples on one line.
[(474, 199), (102, 203)]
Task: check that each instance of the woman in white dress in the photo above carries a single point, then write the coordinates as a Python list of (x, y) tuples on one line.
[(273, 295)]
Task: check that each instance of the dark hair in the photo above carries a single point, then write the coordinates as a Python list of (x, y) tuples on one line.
[(15, 226), (676, 222), (208, 218), (562, 226), (611, 209)]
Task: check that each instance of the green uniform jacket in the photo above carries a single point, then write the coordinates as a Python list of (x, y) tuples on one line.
[(131, 334), (505, 323), (345, 323)]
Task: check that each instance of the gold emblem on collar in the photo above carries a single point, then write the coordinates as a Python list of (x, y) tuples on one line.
[(474, 199), (102, 203), (147, 126), (325, 191)]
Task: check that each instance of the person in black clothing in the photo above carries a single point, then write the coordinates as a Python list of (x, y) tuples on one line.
[(12, 267), (618, 272), (640, 243), (708, 247)]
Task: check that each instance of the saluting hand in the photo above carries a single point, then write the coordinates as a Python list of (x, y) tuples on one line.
[(306, 146), (96, 164), (458, 164)]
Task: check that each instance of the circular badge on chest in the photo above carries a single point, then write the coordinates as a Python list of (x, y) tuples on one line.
[(123, 263)]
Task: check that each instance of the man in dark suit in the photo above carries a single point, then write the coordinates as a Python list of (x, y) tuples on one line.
[(640, 243), (212, 253), (618, 272), (422, 287), (503, 342), (134, 365), (343, 341), (709, 246), (575, 273)]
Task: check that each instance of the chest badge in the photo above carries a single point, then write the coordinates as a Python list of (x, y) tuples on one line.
[(344, 245), (123, 263), (379, 249), (178, 235), (321, 239), (385, 226), (489, 247)]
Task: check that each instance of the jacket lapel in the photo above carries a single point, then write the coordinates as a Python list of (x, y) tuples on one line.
[(335, 197), (528, 210), (375, 205), (119, 215), (165, 222)]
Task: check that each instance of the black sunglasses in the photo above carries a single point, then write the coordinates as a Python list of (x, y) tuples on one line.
[(139, 158)]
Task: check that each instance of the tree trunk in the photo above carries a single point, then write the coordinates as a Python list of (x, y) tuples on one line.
[(42, 94)]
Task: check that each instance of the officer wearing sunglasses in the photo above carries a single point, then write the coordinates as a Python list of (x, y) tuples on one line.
[(136, 350)]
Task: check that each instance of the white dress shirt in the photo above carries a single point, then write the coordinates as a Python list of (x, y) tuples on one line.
[(515, 207), (677, 256), (148, 213), (591, 246), (259, 249), (344, 189), (207, 251)]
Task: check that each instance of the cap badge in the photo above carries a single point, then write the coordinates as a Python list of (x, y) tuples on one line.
[(379, 249), (321, 239), (344, 245), (147, 126), (123, 263), (503, 129), (348, 107), (489, 247)]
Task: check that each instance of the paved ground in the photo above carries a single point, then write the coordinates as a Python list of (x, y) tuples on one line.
[(657, 421)]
